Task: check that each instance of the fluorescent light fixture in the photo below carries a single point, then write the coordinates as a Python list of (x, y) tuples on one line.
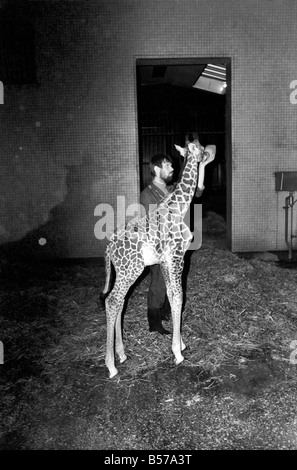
[(213, 79), (209, 84)]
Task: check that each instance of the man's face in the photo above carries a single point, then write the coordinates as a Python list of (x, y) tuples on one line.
[(166, 173)]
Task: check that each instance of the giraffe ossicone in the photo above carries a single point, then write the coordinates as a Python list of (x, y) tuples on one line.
[(161, 237)]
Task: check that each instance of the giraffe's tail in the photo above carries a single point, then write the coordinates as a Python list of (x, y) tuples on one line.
[(106, 289)]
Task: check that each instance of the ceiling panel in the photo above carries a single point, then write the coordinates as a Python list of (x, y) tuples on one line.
[(207, 77)]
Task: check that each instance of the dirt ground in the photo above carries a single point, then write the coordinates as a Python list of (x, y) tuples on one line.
[(55, 390), (176, 408)]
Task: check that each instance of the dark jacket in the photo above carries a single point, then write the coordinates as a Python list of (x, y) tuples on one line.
[(152, 194)]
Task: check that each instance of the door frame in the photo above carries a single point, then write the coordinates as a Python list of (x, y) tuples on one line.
[(228, 122)]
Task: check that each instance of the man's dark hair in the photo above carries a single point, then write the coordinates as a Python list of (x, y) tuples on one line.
[(157, 160)]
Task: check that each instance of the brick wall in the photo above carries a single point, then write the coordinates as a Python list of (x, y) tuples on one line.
[(71, 142)]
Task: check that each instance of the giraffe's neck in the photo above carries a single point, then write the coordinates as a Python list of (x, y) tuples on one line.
[(185, 188)]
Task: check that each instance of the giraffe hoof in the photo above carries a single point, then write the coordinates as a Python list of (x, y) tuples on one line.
[(113, 373), (179, 360), (123, 358)]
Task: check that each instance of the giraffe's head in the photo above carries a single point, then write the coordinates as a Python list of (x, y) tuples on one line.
[(192, 148)]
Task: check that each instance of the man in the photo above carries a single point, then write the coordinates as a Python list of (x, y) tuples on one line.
[(157, 302), (162, 173)]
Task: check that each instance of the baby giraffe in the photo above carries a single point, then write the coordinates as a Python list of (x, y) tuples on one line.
[(161, 237)]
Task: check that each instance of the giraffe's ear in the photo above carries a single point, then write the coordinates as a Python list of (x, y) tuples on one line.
[(192, 147), (180, 150)]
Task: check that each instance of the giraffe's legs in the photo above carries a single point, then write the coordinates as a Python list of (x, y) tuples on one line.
[(114, 306), (177, 342), (119, 345), (165, 272), (113, 312), (172, 275)]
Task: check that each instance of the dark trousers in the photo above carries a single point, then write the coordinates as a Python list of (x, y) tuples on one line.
[(157, 295), (158, 304), (157, 288)]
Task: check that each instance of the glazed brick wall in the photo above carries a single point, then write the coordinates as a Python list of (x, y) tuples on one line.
[(72, 143)]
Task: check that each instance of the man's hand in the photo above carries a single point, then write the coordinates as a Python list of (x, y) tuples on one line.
[(209, 155)]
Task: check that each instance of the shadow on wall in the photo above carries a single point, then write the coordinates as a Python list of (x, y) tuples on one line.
[(213, 200), (69, 231)]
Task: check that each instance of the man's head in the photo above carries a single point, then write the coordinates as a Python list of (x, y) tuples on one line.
[(161, 167)]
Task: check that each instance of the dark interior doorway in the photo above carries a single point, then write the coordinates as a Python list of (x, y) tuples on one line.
[(176, 97)]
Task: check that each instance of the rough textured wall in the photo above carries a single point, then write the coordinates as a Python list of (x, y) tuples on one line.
[(71, 143), (61, 146)]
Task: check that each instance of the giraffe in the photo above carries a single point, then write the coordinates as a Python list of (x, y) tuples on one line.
[(161, 237)]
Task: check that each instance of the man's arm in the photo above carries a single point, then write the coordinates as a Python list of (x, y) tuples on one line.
[(148, 200), (199, 192), (144, 201), (210, 156)]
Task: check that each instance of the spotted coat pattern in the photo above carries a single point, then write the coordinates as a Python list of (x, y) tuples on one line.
[(161, 237)]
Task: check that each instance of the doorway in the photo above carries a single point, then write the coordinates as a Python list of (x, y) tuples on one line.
[(178, 97)]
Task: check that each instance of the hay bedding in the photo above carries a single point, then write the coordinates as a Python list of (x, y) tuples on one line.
[(235, 309)]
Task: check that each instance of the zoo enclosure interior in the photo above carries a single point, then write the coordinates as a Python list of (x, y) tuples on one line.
[(172, 102)]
